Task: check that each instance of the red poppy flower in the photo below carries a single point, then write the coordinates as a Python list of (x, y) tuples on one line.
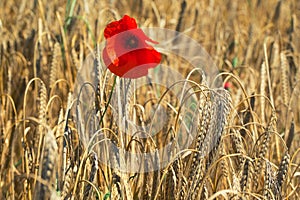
[(227, 85), (127, 52)]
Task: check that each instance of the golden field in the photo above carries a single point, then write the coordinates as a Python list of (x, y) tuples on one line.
[(254, 44)]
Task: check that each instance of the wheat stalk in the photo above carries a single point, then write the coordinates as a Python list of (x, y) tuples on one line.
[(59, 134)]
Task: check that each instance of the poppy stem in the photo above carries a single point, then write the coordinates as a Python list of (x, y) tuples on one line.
[(126, 86), (109, 99)]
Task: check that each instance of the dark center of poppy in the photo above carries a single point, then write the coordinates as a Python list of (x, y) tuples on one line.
[(132, 42)]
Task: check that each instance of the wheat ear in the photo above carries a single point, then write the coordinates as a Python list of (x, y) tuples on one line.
[(263, 84), (56, 60), (284, 67), (264, 146), (269, 181), (48, 173), (283, 170)]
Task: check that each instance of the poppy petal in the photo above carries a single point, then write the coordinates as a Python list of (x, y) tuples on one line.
[(124, 24), (127, 52)]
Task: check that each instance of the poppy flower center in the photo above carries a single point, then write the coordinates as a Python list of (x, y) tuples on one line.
[(132, 42)]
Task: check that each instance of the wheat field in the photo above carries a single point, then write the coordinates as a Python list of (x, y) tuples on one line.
[(49, 150)]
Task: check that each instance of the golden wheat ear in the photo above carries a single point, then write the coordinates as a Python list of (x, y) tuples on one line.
[(46, 187)]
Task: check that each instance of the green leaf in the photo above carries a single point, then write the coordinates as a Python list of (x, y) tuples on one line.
[(106, 196), (235, 62)]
